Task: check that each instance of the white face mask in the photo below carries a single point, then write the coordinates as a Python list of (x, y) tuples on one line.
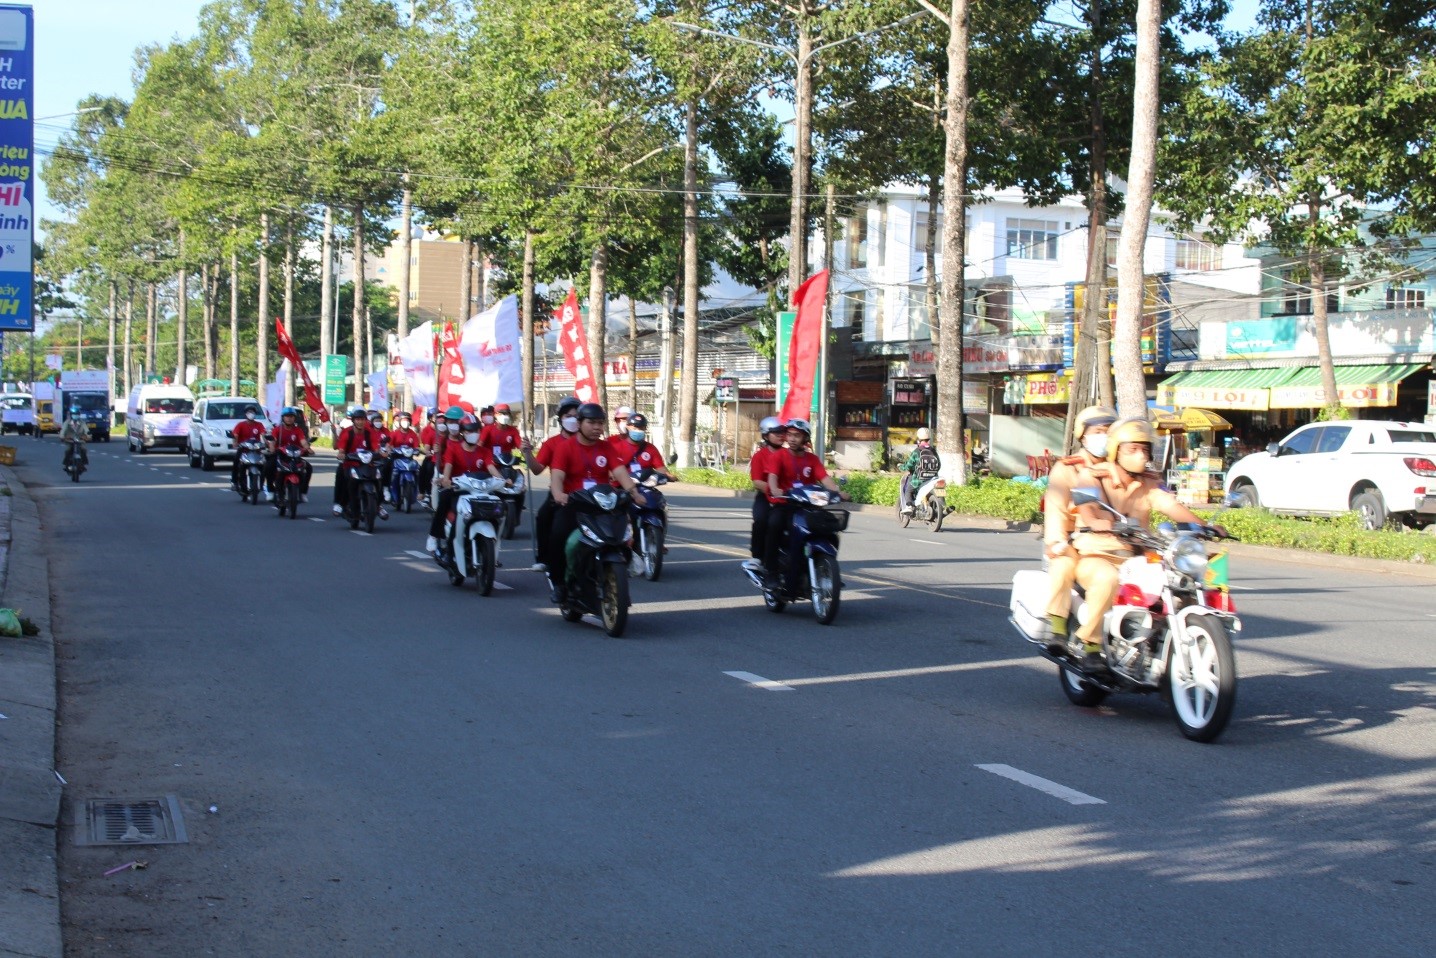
[(1096, 444), (487, 419), (505, 420), (471, 437), (453, 427), (569, 423)]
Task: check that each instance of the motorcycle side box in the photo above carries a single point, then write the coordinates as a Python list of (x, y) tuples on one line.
[(1030, 588)]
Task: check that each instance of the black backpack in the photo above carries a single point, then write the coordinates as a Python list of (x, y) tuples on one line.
[(928, 463)]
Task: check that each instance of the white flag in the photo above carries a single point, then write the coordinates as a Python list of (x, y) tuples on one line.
[(489, 344), (416, 352)]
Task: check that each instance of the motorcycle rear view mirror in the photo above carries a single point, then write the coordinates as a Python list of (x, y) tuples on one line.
[(1092, 496)]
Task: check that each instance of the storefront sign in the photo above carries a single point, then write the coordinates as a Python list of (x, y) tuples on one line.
[(990, 357), (336, 371), (1262, 337), (1358, 396), (1390, 332), (921, 363), (1156, 318), (974, 397), (617, 372), (1039, 389), (1213, 397), (1034, 352), (17, 168)]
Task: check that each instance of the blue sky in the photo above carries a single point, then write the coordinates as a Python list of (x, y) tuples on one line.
[(87, 46)]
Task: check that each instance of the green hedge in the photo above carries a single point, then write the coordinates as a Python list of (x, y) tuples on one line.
[(1018, 502)]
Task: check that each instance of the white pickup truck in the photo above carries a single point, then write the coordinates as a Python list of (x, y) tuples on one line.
[(1380, 470)]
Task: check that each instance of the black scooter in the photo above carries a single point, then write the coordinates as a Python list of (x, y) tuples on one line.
[(77, 460), (362, 503), (598, 557)]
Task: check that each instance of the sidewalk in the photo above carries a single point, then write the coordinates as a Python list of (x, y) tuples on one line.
[(29, 789)]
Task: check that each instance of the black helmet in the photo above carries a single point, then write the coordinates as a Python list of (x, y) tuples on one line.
[(592, 410), (638, 421), (567, 404)]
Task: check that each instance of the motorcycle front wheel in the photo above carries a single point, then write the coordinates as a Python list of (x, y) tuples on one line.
[(827, 588), (652, 552), (613, 583), (371, 510), (511, 520), (1080, 691), (1202, 679), (486, 563), (254, 486)]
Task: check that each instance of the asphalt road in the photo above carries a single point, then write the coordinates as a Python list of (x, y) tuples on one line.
[(399, 766)]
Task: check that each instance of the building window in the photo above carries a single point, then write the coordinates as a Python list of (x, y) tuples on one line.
[(858, 239), (1032, 239), (880, 239), (857, 314), (920, 238), (1401, 297), (1198, 256), (1114, 246), (1295, 295)]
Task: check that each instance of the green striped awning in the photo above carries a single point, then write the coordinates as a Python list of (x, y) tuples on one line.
[(1350, 375), (1234, 378), (1222, 388)]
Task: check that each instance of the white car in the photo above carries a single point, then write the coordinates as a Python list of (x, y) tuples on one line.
[(210, 426), (1379, 470)]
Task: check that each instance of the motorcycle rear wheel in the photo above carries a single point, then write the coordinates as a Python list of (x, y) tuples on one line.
[(652, 552), (487, 562), (1080, 691), (903, 517), (826, 588), (511, 520), (613, 583), (939, 513), (1202, 679)]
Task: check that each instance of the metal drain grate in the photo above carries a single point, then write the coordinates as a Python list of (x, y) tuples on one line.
[(113, 821)]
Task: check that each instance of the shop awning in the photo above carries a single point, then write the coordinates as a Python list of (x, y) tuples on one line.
[(1358, 387), (1223, 388)]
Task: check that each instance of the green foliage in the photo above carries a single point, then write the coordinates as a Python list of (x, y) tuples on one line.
[(1334, 412), (714, 478), (1340, 535)]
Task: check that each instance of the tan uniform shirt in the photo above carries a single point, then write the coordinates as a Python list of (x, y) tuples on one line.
[(1136, 497), (1059, 514)]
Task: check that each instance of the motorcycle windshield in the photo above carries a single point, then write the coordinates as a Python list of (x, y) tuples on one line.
[(605, 527)]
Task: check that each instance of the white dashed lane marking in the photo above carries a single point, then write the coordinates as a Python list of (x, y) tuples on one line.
[(1069, 795), (758, 682)]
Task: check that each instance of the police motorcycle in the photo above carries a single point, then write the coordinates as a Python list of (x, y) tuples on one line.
[(471, 531), (1167, 631), (404, 479), (510, 466), (598, 557), (362, 503), (250, 476), (808, 557), (288, 478), (650, 524)]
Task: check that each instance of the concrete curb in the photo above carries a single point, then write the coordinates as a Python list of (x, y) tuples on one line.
[(1238, 549), (30, 792)]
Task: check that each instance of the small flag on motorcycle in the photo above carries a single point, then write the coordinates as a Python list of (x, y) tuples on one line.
[(1217, 572)]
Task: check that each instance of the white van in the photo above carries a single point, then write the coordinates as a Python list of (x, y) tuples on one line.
[(158, 415)]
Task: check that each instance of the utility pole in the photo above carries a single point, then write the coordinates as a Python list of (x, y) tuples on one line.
[(664, 398), (820, 428)]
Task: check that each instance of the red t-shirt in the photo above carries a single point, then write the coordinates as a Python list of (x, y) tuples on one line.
[(803, 469), (763, 462), (500, 438), (381, 432), (357, 437), (550, 448), (404, 437), (247, 429), (630, 454), (585, 466), (288, 436), (466, 460), (428, 435)]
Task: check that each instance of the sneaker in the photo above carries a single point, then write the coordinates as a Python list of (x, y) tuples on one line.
[(539, 567), (431, 545), (753, 565), (383, 513), (268, 496), (338, 510), (303, 498), (388, 496), (908, 510)]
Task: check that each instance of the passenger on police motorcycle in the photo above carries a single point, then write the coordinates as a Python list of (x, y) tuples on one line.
[(1126, 486), (1089, 430), (775, 443)]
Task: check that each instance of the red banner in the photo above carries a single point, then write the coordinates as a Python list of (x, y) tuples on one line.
[(575, 349), (312, 397), (805, 346), (451, 368)]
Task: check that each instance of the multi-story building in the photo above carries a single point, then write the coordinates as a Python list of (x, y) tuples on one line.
[(435, 278)]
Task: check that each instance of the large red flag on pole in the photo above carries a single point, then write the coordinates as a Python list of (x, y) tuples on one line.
[(805, 346), (312, 397), (575, 349), (451, 367)]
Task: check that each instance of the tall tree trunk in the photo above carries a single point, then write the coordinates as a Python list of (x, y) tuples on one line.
[(182, 318), (234, 323), (406, 253), (632, 353), (326, 284), (598, 318), (206, 285), (151, 325), (261, 338), (802, 116), (289, 254), (466, 282), (929, 256), (114, 317), (129, 335), (954, 250), (481, 277), (1316, 269), (529, 343), (688, 402), (358, 318), (1141, 178)]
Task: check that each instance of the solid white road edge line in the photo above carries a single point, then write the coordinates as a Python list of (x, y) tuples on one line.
[(1069, 795), (757, 681)]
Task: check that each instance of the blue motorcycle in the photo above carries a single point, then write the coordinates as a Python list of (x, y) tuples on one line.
[(404, 480), (808, 558), (650, 525)]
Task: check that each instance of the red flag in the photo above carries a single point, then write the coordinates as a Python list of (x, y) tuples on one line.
[(575, 349), (312, 398), (805, 346), (451, 367)]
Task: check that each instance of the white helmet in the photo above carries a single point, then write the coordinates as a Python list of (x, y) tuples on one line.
[(924, 434), (770, 424)]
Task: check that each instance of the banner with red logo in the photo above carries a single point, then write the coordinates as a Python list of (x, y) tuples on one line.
[(312, 397), (805, 346), (575, 349), (451, 368)]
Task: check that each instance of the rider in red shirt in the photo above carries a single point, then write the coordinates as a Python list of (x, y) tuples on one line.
[(250, 428), (403, 434), (765, 460), (288, 433), (799, 468), (358, 435), (567, 416), (460, 457), (634, 450), (501, 436)]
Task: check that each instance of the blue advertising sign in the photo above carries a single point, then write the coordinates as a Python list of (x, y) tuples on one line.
[(17, 167)]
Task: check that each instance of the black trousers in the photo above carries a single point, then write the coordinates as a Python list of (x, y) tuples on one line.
[(543, 527), (778, 518), (446, 500), (756, 542), (565, 520), (426, 476)]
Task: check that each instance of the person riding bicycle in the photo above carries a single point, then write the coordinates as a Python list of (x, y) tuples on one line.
[(359, 435), (288, 432), (460, 458), (775, 443), (75, 431), (248, 429), (800, 467), (1124, 484), (922, 464)]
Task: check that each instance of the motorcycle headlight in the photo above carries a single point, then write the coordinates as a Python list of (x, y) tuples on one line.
[(1189, 557), (818, 498)]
